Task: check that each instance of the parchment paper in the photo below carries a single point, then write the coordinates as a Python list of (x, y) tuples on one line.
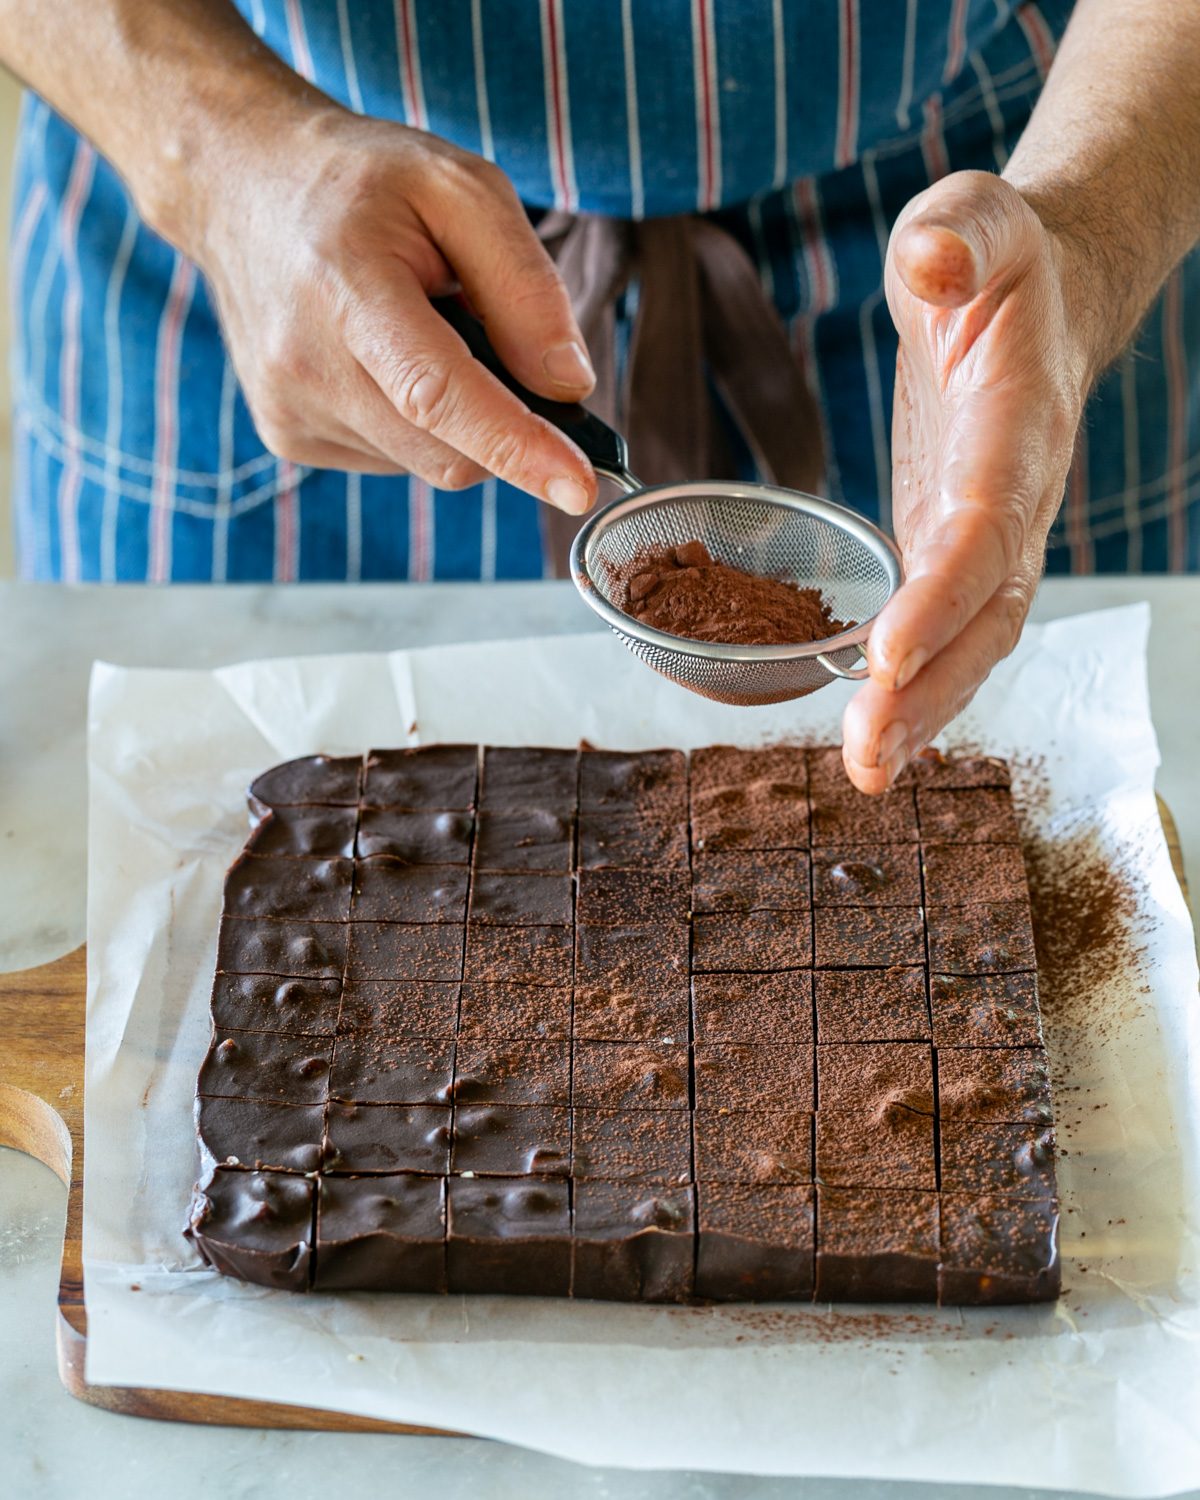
[(1099, 1393)]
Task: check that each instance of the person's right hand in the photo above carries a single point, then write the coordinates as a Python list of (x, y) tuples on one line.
[(323, 246)]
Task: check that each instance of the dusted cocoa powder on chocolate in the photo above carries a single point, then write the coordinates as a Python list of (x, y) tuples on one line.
[(686, 591)]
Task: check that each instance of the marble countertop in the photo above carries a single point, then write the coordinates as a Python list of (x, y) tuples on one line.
[(56, 1447)]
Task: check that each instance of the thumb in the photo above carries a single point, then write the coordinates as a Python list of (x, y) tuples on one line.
[(963, 234)]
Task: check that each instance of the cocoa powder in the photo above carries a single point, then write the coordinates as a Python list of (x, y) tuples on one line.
[(685, 591)]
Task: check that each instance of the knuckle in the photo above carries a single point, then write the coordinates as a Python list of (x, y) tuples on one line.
[(458, 474), (421, 392)]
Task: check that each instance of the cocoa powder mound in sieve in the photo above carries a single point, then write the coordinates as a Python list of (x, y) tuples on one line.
[(685, 591)]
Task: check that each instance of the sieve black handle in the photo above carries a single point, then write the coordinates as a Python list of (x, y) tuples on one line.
[(603, 447)]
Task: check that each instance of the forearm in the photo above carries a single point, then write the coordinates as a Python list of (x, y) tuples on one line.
[(1110, 160), (176, 93)]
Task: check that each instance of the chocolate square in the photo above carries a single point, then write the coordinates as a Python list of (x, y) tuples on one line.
[(369, 1069), (630, 1075), (318, 832), (632, 1145), (1014, 1161), (267, 1065), (618, 781), (414, 1011), (751, 880), (391, 890), (781, 768), (511, 1072), (632, 898), (753, 1007), (529, 777), (515, 1011), (874, 937), (510, 1140), (959, 874), (524, 839), (632, 1243), (521, 900), (631, 960), (755, 1243), (604, 1014), (256, 1226), (875, 1245), (993, 937), (985, 1010), (851, 817), (867, 875), (1001, 1084), (417, 838), (265, 1002), (313, 780), (827, 771), (743, 942), (871, 1077), (998, 1250), (631, 841), (519, 955), (254, 1133), (430, 776), (381, 1234), (771, 1146), (316, 889), (983, 815), (401, 953), (771, 1075), (930, 768), (891, 1148), (872, 1005), (509, 1234), (299, 950), (750, 815), (387, 1138)]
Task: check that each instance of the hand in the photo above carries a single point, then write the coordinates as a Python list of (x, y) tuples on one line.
[(323, 245), (991, 378)]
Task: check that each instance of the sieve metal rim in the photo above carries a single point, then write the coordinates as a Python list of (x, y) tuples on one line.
[(589, 535)]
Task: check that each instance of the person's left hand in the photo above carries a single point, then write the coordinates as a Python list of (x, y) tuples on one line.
[(991, 378)]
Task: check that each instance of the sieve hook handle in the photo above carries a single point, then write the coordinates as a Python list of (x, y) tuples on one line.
[(851, 674), (601, 445)]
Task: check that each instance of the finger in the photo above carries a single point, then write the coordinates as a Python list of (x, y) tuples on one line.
[(427, 373), (513, 285), (963, 233), (409, 449)]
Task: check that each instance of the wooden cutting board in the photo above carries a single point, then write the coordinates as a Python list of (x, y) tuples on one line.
[(41, 1113)]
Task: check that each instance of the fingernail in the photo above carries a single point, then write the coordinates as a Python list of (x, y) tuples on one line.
[(911, 665), (892, 738), (568, 494), (567, 364), (895, 764)]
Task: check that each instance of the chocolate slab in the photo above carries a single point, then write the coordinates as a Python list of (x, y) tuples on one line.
[(630, 1075), (300, 950), (632, 1243), (267, 1065), (769, 1075), (761, 1146), (526, 838), (632, 1145), (515, 1011), (983, 815), (892, 1148), (998, 1250), (401, 953), (256, 1226), (992, 937), (751, 880), (418, 838), (740, 943), (381, 1234), (958, 874), (1015, 1161), (753, 1007), (1000, 1084), (511, 1072), (604, 1013), (784, 768), (387, 1138), (871, 1077), (985, 1010), (631, 841), (866, 875), (632, 898), (631, 960), (754, 1243), (509, 899), (266, 1002), (510, 1140), (315, 832), (316, 889), (639, 781), (875, 937), (391, 890), (519, 955), (876, 1246), (847, 816), (254, 1133), (871, 1005), (412, 1011), (509, 1234), (431, 776), (529, 777), (313, 780), (369, 1069)]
